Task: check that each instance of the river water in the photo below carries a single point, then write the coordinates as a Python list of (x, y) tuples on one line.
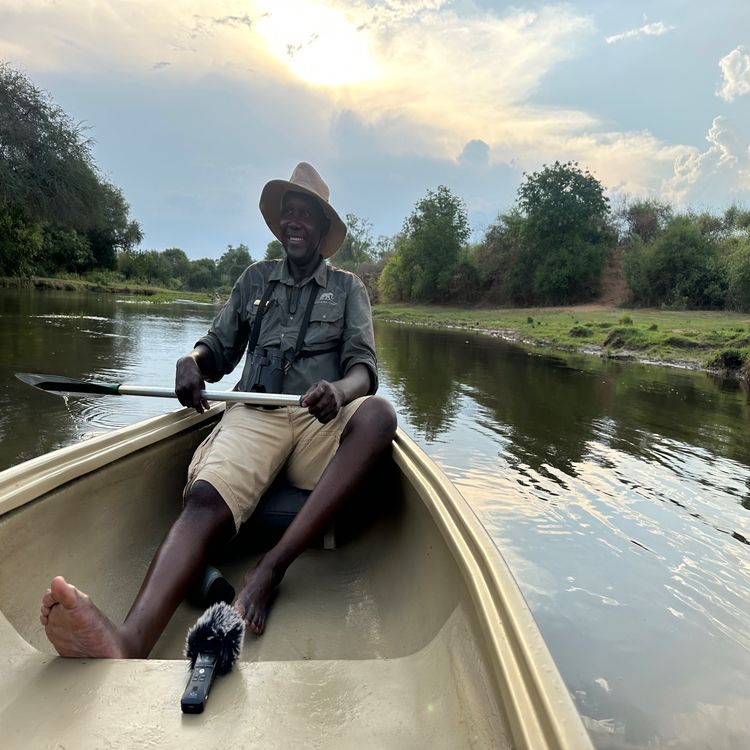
[(618, 493)]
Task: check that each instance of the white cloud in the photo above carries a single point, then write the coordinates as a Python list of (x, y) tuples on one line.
[(649, 29), (735, 71), (722, 170)]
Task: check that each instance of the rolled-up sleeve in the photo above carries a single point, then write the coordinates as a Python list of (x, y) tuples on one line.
[(228, 335), (358, 341)]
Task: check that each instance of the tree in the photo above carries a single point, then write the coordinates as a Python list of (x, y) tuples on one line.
[(426, 253), (357, 248), (646, 218), (50, 183), (567, 233), (505, 277), (203, 275), (111, 229), (680, 267), (274, 250), (178, 266), (234, 261), (45, 161)]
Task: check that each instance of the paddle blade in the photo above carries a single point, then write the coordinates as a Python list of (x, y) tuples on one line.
[(60, 384)]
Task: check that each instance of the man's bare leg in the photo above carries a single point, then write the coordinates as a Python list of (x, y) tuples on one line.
[(76, 627), (367, 435)]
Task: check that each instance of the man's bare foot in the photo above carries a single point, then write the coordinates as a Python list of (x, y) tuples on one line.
[(77, 628), (254, 601)]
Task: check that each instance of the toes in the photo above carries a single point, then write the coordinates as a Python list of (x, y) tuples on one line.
[(64, 593), (48, 600)]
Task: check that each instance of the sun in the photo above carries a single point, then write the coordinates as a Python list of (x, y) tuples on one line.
[(319, 44)]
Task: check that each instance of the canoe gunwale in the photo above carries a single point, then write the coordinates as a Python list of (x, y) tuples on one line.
[(29, 480), (543, 714)]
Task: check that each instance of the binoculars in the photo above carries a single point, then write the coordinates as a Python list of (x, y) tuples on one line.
[(267, 370)]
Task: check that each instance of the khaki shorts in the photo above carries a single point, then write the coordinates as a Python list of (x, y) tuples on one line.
[(251, 445)]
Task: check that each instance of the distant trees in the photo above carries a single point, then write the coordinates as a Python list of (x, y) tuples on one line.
[(234, 261), (56, 211), (694, 261), (426, 253), (358, 246), (274, 250), (552, 246)]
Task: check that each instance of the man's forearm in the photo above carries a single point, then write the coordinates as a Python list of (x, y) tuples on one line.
[(355, 383)]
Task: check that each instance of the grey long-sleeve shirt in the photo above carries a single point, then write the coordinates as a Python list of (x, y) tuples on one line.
[(340, 318)]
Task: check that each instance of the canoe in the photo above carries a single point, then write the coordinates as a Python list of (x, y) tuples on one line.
[(410, 633)]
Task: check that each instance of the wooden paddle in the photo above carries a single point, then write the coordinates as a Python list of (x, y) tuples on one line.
[(61, 384)]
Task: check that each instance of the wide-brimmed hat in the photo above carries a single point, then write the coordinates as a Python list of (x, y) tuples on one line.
[(304, 179)]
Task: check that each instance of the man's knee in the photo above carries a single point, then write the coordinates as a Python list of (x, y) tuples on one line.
[(203, 499), (378, 417)]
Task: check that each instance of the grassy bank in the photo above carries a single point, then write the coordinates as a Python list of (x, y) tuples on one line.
[(135, 292), (710, 340)]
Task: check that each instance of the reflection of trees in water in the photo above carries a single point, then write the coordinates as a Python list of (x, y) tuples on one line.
[(555, 405), (424, 368)]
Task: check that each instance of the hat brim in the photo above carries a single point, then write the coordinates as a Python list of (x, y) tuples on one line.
[(270, 207)]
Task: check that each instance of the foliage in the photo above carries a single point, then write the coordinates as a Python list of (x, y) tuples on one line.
[(566, 234), (49, 183), (679, 268), (20, 243), (736, 252), (203, 274), (234, 261), (274, 250), (426, 253), (357, 248), (645, 218)]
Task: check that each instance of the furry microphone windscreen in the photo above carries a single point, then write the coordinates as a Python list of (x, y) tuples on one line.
[(219, 630)]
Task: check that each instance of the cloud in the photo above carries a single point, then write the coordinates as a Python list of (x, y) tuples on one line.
[(735, 71), (723, 169), (650, 29), (475, 153)]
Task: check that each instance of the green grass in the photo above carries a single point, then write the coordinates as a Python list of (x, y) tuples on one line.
[(702, 339)]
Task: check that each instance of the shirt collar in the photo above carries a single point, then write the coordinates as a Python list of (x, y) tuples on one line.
[(282, 273)]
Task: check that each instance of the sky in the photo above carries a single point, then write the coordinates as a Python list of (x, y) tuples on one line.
[(195, 104)]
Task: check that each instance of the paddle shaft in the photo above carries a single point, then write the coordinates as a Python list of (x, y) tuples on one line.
[(242, 397), (62, 384)]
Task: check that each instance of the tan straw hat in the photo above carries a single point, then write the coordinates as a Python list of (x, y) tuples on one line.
[(304, 179)]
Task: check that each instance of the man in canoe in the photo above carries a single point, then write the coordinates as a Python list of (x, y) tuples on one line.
[(310, 331)]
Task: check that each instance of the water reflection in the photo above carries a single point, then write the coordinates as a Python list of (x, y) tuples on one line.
[(618, 493)]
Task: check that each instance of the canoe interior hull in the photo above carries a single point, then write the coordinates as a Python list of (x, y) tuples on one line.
[(379, 642)]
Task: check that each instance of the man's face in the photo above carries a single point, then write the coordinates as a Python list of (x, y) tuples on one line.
[(302, 227)]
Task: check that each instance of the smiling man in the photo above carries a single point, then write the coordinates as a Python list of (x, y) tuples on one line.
[(308, 329)]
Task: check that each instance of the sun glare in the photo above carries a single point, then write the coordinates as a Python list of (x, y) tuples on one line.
[(320, 45)]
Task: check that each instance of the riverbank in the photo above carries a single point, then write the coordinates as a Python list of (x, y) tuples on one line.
[(717, 341), (135, 292)]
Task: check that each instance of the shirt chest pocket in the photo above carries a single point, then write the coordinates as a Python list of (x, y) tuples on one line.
[(326, 324)]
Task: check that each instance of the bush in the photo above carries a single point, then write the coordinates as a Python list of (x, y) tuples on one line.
[(580, 332), (680, 268), (729, 359)]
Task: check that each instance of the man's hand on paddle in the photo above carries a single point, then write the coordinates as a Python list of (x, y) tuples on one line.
[(188, 384), (323, 400)]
